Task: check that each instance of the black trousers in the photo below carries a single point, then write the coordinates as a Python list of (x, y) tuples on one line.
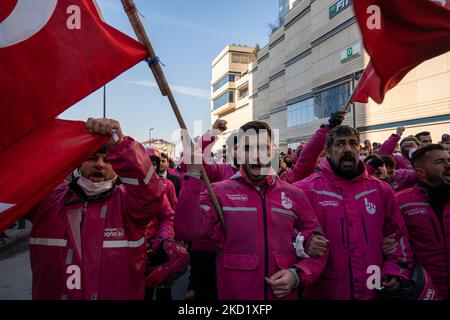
[(203, 275), (161, 294)]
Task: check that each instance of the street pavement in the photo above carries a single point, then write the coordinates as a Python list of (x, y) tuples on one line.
[(15, 275)]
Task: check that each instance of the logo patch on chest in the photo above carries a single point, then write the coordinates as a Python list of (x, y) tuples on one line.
[(370, 207), (237, 197), (114, 233), (415, 211), (329, 203), (285, 201)]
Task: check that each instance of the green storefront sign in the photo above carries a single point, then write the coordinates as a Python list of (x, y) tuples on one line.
[(339, 6)]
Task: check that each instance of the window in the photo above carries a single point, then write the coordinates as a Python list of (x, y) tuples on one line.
[(227, 97), (322, 105), (231, 77), (293, 146), (329, 101), (241, 58), (243, 93), (301, 112)]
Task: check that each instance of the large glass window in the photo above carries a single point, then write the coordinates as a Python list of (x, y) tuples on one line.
[(227, 97), (231, 77), (301, 112), (322, 105), (329, 101)]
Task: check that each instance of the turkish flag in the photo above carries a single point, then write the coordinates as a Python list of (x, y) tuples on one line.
[(47, 64), (53, 53), (37, 164), (398, 35)]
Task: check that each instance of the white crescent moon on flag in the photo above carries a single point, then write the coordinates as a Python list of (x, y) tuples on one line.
[(27, 19), (5, 206)]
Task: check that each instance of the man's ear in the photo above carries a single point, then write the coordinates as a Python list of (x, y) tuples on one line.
[(420, 172)]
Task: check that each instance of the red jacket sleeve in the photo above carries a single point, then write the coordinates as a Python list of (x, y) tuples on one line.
[(196, 217), (307, 162), (143, 188), (398, 263), (388, 147), (309, 269), (171, 194), (165, 230)]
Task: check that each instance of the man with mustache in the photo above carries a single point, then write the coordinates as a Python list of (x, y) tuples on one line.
[(263, 215), (356, 211), (88, 237), (426, 211)]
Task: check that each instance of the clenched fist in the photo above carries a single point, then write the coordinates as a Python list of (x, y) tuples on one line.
[(107, 127)]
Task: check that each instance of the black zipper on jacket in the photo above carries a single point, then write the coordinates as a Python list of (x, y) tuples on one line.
[(435, 230), (266, 244), (83, 215), (364, 228), (349, 258)]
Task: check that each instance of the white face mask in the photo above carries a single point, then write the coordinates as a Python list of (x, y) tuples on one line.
[(95, 188), (411, 151), (362, 157)]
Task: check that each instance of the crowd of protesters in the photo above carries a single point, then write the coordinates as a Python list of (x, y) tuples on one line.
[(335, 219)]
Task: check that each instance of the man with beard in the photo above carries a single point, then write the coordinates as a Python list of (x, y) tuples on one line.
[(356, 211), (262, 216), (88, 237), (426, 211)]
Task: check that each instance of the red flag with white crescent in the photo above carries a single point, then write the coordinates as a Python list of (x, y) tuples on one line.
[(53, 53)]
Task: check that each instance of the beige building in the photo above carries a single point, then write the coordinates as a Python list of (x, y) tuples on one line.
[(161, 145), (310, 66), (230, 87)]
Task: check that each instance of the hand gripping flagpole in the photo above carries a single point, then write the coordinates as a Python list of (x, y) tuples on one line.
[(132, 13)]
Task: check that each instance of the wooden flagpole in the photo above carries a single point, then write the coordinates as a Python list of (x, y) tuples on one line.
[(133, 15)]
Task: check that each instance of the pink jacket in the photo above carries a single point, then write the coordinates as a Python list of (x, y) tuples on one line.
[(216, 172), (355, 216), (112, 240), (258, 240), (430, 239), (169, 191), (388, 148), (168, 207), (307, 162), (404, 179)]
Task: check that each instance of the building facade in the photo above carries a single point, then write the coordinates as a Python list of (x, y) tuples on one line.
[(230, 87), (312, 63), (161, 145)]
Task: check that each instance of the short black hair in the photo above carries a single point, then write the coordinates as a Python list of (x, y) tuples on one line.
[(389, 161), (374, 160), (340, 131), (420, 154), (421, 134), (257, 126)]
